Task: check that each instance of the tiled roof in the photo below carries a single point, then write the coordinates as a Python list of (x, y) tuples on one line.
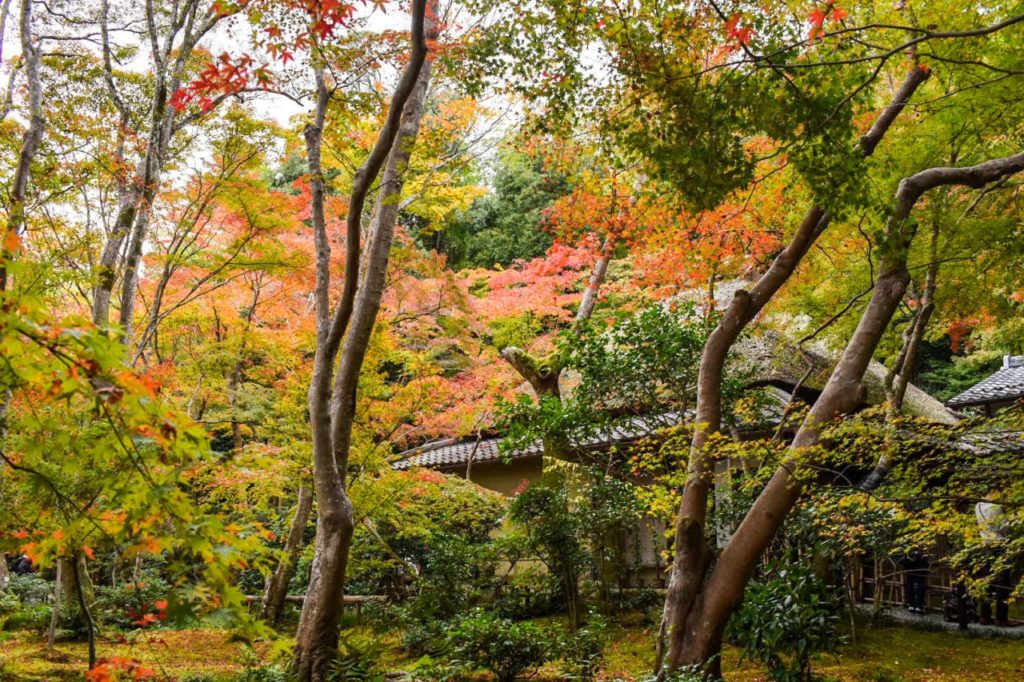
[(451, 453), (1005, 384), (454, 453)]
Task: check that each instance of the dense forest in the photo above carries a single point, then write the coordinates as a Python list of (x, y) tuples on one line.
[(440, 340)]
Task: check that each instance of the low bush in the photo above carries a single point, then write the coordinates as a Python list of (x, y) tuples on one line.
[(636, 599), (132, 605), (528, 592), (31, 588), (506, 648), (784, 620), (263, 673), (25, 604), (425, 638), (358, 660), (582, 652)]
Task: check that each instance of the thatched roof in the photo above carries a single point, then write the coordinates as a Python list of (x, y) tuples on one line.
[(770, 358)]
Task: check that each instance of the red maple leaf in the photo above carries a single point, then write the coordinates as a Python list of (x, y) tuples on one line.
[(734, 32), (731, 24)]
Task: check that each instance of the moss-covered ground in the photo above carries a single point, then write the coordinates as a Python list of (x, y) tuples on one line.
[(883, 654)]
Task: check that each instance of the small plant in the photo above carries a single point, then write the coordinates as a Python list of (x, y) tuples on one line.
[(258, 671), (553, 532), (134, 604), (688, 673), (264, 673), (22, 609), (582, 652), (421, 639), (358, 657), (31, 588), (504, 647), (117, 668), (784, 620), (528, 592)]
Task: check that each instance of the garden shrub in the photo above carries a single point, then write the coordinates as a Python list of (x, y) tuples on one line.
[(425, 638), (582, 652), (456, 573), (25, 604), (553, 533), (530, 591), (506, 648), (428, 545), (132, 605), (636, 599), (785, 619), (31, 588), (437, 669), (358, 659), (18, 615)]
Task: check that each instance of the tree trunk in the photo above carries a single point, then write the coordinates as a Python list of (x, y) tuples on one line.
[(171, 55), (899, 375), (133, 261), (32, 53), (692, 555), (51, 633), (723, 592), (316, 638), (277, 585), (543, 373), (72, 576), (81, 579), (597, 277), (904, 368), (332, 410)]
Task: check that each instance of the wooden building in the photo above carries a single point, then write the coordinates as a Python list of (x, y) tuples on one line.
[(774, 366)]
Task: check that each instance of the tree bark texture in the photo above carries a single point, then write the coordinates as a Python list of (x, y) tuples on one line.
[(187, 24), (899, 375), (85, 598), (58, 589), (32, 54), (277, 585), (332, 397)]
